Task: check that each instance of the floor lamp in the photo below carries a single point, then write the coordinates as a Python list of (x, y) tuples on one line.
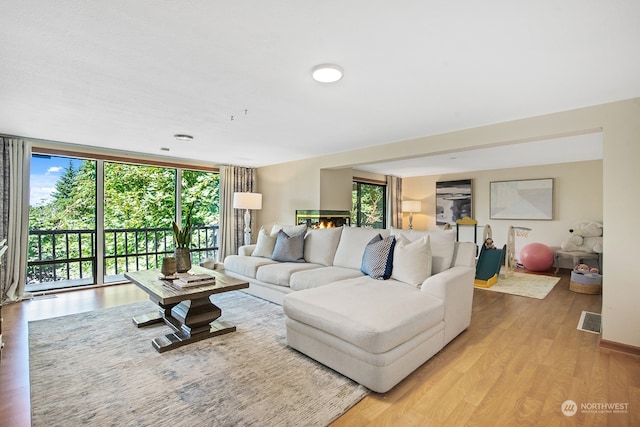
[(411, 206), (247, 201)]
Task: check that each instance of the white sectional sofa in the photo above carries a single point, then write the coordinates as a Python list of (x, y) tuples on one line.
[(373, 331)]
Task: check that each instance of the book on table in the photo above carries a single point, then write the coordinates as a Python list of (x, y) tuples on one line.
[(188, 280)]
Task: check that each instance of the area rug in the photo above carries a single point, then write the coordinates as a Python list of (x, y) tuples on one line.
[(98, 369), (526, 285)]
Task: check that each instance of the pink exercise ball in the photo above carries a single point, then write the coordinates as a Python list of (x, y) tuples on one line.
[(536, 257)]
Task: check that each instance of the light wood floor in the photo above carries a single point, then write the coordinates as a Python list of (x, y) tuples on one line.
[(515, 365)]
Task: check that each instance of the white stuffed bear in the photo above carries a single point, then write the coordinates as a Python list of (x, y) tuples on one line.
[(586, 236)]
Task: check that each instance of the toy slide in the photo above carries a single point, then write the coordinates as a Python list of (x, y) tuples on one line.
[(488, 266)]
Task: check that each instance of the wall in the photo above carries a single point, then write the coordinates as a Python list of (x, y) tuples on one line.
[(296, 185), (335, 189), (577, 195)]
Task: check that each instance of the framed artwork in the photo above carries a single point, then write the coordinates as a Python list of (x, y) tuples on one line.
[(453, 201), (526, 199)]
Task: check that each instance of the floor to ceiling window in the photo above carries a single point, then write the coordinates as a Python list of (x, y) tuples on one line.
[(62, 222), (93, 220), (368, 205)]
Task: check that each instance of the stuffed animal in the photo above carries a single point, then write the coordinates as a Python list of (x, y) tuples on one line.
[(489, 243), (586, 236)]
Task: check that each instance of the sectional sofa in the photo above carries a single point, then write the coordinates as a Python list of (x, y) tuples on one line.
[(374, 328)]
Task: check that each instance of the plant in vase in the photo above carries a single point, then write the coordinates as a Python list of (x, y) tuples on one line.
[(182, 238)]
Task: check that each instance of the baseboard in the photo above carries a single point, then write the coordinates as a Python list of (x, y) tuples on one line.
[(619, 347)]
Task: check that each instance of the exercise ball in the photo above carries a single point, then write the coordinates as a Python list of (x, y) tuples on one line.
[(536, 257)]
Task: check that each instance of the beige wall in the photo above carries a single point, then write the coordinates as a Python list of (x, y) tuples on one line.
[(335, 189), (296, 185), (577, 196)]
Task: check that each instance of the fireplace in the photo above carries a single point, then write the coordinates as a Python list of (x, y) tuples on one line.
[(323, 218)]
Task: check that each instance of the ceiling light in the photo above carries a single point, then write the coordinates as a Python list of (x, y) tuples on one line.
[(182, 137), (326, 73)]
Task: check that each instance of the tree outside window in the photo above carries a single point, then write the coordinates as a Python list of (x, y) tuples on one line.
[(368, 205)]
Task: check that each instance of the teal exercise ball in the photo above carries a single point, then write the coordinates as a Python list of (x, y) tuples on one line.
[(536, 257)]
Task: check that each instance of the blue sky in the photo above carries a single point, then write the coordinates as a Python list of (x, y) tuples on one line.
[(45, 171)]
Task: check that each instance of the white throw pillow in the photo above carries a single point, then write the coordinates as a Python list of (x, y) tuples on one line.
[(443, 243), (320, 245), (265, 244), (412, 260), (353, 241), (291, 230)]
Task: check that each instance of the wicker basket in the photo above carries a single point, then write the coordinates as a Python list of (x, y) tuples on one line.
[(586, 283)]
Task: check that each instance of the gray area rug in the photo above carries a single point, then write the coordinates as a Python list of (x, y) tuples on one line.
[(98, 369)]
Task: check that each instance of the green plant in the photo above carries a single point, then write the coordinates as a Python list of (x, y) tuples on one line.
[(182, 236)]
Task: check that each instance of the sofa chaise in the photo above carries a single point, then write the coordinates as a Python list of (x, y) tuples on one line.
[(373, 331)]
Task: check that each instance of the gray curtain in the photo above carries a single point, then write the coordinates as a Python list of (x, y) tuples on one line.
[(394, 201), (16, 163), (233, 179)]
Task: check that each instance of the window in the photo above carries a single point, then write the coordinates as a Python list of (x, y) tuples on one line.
[(75, 241), (369, 207)]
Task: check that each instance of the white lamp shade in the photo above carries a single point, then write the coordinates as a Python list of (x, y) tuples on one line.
[(247, 200), (411, 206)]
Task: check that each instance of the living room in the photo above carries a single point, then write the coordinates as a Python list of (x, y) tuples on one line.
[(314, 168)]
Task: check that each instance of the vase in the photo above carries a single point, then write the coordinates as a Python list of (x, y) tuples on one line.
[(169, 266), (183, 259)]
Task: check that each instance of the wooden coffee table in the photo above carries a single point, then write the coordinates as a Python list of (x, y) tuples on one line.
[(189, 312)]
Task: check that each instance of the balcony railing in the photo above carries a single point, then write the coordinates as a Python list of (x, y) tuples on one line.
[(70, 255)]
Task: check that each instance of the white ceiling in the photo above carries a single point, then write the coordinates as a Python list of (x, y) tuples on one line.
[(128, 75)]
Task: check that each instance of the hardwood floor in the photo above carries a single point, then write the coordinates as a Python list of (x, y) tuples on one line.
[(520, 359), (515, 365)]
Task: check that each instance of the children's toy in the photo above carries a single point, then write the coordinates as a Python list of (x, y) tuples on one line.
[(536, 257), (489, 261), (586, 236)]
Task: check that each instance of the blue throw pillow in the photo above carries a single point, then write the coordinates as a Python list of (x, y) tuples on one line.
[(377, 261), (288, 248)]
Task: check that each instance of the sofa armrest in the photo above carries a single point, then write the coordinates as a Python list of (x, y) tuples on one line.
[(246, 250), (455, 287)]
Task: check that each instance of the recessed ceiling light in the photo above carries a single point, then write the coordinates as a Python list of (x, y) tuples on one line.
[(183, 137), (326, 73)]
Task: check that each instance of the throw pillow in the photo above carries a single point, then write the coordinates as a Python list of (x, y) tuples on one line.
[(264, 245), (377, 260), (411, 260), (320, 245), (288, 248), (291, 230)]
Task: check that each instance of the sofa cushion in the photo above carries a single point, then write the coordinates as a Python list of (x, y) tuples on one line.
[(291, 230), (442, 246), (320, 245), (373, 315), (321, 276), (352, 243), (280, 273), (377, 259), (288, 248), (412, 260), (265, 244), (245, 265)]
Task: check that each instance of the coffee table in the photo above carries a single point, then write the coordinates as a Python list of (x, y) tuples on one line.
[(189, 311)]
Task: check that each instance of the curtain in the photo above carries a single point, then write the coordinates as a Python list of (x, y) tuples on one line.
[(16, 162), (394, 201), (233, 179)]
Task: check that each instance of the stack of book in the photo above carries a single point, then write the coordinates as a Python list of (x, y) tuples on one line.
[(190, 280)]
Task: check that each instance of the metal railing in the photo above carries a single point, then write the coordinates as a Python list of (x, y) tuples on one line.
[(70, 255)]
